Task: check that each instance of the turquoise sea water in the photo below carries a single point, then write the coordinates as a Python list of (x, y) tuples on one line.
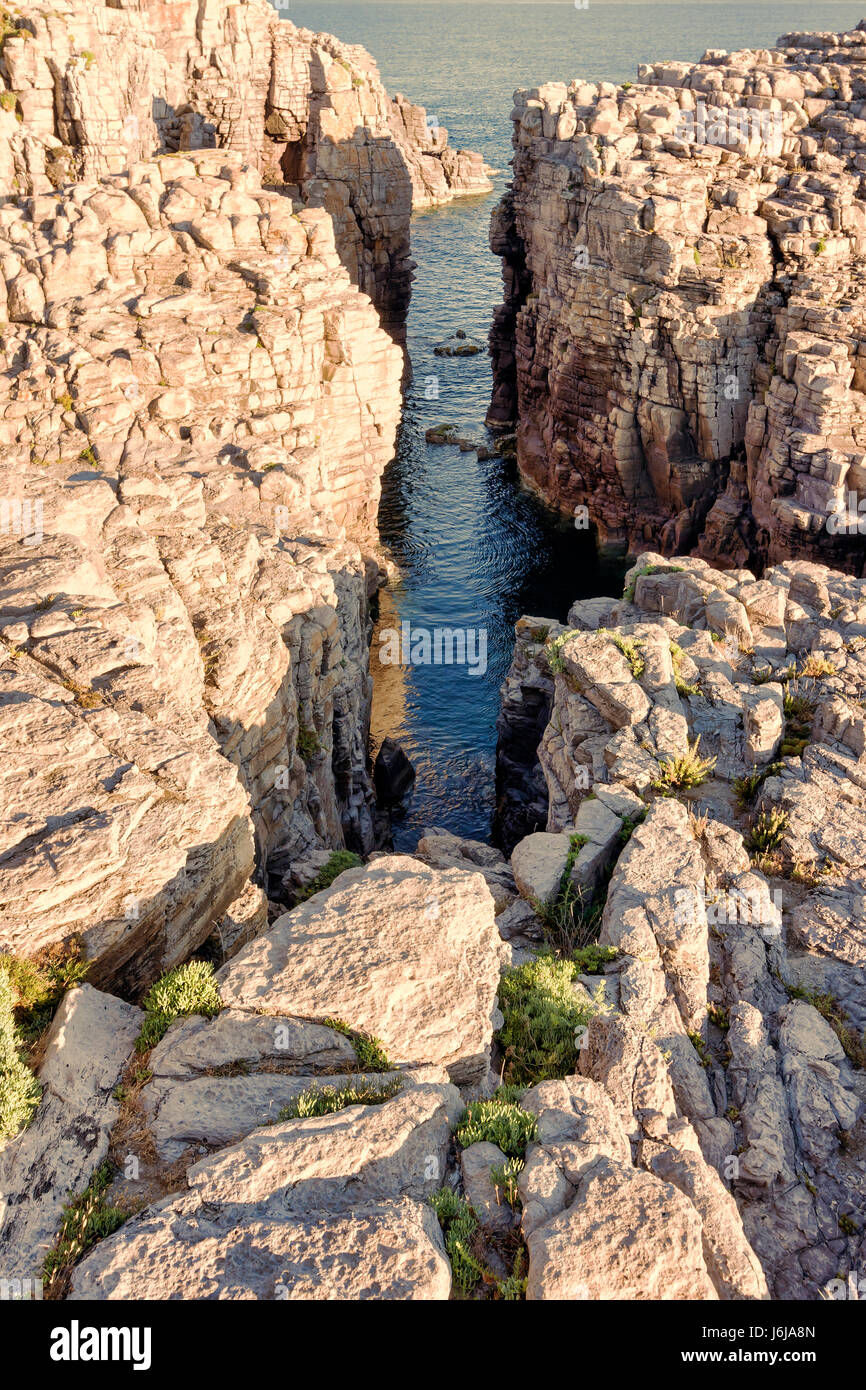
[(476, 551)]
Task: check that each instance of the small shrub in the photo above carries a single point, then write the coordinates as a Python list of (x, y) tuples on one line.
[(848, 1227), (686, 770), (747, 788), (369, 1051), (87, 1218), (541, 1013), (497, 1121), (589, 960), (459, 1225), (339, 862), (701, 1049), (189, 989), (504, 1177), (20, 1092), (514, 1287), (327, 1100), (719, 1016), (767, 831), (307, 743)]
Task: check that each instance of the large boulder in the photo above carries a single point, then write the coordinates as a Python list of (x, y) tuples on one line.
[(405, 952)]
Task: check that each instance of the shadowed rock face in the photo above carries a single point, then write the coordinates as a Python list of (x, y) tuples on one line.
[(100, 87), (683, 326)]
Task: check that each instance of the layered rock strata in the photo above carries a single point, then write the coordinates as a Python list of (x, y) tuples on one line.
[(195, 410), (682, 333), (91, 88)]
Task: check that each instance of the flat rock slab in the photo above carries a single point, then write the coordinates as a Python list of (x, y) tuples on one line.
[(219, 1110), (90, 1041), (398, 949), (391, 1251), (195, 1045), (330, 1207)]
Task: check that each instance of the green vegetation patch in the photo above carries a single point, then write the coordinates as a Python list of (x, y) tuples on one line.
[(339, 862), (189, 989), (369, 1051), (308, 742), (542, 1012), (498, 1121), (20, 1092), (799, 712), (505, 1177), (459, 1226), (767, 831), (327, 1100), (39, 983)]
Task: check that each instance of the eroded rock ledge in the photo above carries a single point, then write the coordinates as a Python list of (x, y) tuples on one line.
[(682, 335), (91, 88)]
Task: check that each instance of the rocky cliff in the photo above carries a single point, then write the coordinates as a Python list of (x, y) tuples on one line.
[(197, 406), (703, 764), (682, 334), (90, 88)]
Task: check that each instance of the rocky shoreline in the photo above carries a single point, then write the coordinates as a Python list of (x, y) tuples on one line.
[(244, 1052)]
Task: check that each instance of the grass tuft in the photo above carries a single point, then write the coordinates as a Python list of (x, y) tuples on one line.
[(327, 1100), (86, 1219), (686, 770)]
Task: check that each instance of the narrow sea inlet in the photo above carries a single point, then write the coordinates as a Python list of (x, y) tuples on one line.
[(475, 550)]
